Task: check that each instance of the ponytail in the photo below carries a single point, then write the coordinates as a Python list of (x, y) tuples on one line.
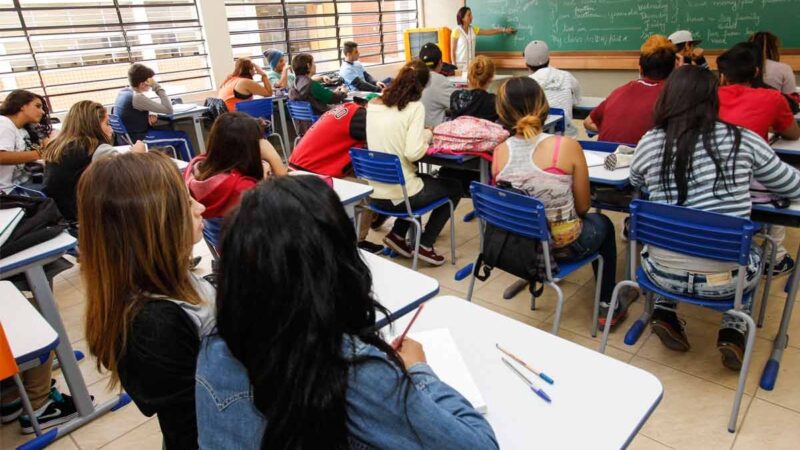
[(529, 126), (522, 106)]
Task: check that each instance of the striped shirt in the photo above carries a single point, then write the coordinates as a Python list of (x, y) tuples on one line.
[(755, 159)]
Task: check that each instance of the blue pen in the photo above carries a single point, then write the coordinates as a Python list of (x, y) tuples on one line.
[(530, 384), (540, 374)]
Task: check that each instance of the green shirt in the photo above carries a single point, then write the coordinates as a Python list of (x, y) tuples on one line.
[(275, 77)]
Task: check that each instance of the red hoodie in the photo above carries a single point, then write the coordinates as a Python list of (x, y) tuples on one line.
[(219, 193)]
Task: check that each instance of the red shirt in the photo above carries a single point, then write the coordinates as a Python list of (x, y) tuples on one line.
[(325, 147), (219, 193), (627, 114), (756, 109)]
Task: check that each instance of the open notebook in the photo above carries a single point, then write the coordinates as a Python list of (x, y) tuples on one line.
[(183, 107), (593, 159), (445, 359)]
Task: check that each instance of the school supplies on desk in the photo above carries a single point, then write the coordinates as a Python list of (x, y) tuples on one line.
[(516, 358), (444, 357), (183, 107), (593, 160), (399, 340), (536, 389)]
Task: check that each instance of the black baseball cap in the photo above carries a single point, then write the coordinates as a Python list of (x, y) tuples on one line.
[(430, 54)]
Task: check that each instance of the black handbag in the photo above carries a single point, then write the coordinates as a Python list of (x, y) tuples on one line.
[(518, 255)]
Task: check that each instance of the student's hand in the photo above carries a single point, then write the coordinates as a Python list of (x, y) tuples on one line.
[(152, 119), (381, 85), (151, 82), (411, 352), (697, 53), (139, 147), (326, 79)]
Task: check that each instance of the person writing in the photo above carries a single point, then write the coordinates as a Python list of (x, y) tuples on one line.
[(462, 46)]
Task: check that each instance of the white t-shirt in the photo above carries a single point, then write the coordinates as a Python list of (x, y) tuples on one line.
[(12, 139)]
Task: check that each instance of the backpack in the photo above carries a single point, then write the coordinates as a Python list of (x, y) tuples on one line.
[(468, 134), (41, 222), (216, 108), (518, 255)]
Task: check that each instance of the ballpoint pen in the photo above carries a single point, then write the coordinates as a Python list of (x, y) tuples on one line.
[(530, 384), (538, 373)]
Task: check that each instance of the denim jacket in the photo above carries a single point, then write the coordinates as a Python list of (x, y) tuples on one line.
[(438, 417)]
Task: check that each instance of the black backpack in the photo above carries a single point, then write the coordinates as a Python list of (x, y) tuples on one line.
[(41, 222)]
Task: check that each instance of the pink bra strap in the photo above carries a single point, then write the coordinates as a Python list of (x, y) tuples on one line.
[(555, 151)]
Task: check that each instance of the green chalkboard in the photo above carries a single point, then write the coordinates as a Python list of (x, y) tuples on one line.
[(600, 25)]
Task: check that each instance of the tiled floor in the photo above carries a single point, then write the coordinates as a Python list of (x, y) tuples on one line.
[(698, 391)]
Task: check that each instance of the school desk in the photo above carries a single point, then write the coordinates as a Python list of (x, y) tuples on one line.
[(460, 82), (27, 332), (189, 111), (597, 401), (587, 104), (398, 288), (349, 192), (181, 164), (31, 262), (786, 147)]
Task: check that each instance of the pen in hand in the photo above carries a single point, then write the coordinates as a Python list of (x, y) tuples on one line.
[(398, 342)]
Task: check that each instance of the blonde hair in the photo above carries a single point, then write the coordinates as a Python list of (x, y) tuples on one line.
[(136, 241), (657, 43), (81, 130), (481, 72), (522, 106)]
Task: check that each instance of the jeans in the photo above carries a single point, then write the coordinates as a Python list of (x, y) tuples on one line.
[(698, 284), (597, 235), (433, 189)]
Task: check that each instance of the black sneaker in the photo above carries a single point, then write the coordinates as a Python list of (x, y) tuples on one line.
[(58, 409), (730, 343), (666, 325), (10, 411), (626, 296), (783, 267), (370, 247)]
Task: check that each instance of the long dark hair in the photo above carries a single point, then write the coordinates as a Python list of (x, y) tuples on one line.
[(768, 44), (408, 85), (461, 13), (285, 316), (685, 123), (13, 104), (234, 143)]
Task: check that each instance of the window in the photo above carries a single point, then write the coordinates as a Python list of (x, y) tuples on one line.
[(71, 50), (320, 28)]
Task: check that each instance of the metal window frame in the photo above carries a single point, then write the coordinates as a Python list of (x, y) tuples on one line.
[(340, 38), (118, 28)]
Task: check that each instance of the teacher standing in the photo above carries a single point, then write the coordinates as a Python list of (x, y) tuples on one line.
[(462, 45)]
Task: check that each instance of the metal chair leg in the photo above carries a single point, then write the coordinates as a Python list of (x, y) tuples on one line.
[(452, 233), (559, 306), (417, 235), (748, 350), (611, 308), (472, 281), (598, 285), (26, 405), (768, 282)]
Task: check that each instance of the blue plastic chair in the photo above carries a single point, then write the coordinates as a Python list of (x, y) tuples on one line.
[(695, 233), (561, 125), (212, 228), (263, 108), (525, 216), (300, 110), (120, 130), (382, 167)]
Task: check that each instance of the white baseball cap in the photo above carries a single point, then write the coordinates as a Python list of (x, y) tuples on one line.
[(681, 36), (536, 53)]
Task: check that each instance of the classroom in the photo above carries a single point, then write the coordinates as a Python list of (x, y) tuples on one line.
[(399, 224)]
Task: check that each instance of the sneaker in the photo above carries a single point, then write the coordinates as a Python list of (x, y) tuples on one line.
[(626, 296), (730, 343), (666, 325), (430, 256), (783, 267), (58, 409), (10, 411), (397, 244), (194, 262), (370, 247)]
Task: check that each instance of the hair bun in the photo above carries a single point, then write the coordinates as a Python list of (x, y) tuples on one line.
[(529, 126)]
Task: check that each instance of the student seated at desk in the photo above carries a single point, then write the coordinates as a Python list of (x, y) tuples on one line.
[(776, 74), (279, 73), (355, 77), (757, 109), (396, 125), (237, 158), (146, 312), (562, 89), (21, 113), (307, 89), (688, 48), (139, 113), (239, 85), (476, 101), (297, 361), (325, 150), (84, 137), (627, 114), (695, 159), (553, 169), (437, 93)]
